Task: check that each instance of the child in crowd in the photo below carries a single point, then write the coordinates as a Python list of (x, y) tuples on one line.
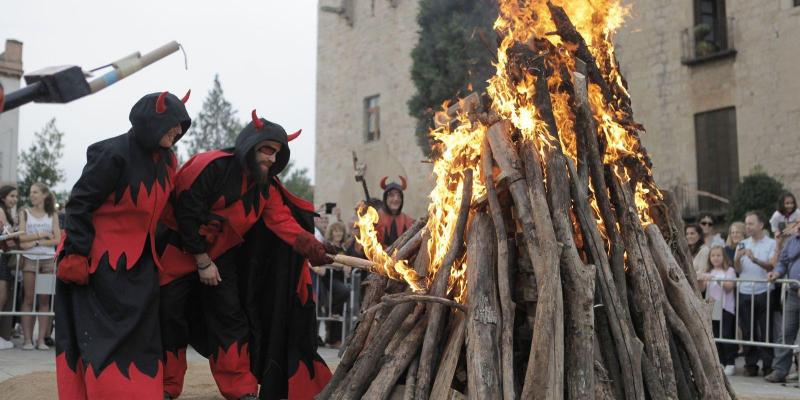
[(718, 267)]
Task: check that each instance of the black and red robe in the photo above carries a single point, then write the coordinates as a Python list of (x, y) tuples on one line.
[(219, 210), (108, 338)]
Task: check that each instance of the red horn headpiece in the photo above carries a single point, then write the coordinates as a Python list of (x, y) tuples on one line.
[(257, 122), (383, 182), (186, 96), (294, 135), (161, 104), (404, 184)]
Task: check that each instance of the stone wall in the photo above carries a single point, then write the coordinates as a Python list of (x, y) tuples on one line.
[(370, 57)]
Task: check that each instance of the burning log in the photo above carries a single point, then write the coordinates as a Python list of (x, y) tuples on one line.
[(503, 279), (483, 318), (563, 208), (432, 334)]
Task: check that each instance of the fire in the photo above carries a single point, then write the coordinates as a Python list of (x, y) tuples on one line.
[(529, 24), (384, 263)]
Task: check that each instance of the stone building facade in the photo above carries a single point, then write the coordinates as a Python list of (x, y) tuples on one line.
[(10, 75), (713, 81), (715, 106), (363, 64)]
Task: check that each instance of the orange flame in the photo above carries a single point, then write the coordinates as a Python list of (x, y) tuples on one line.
[(513, 91)]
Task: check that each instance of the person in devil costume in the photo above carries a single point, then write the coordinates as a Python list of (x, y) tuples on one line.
[(236, 284), (392, 221), (108, 338)]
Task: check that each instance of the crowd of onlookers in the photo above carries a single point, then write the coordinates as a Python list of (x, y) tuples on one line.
[(740, 274), (37, 231)]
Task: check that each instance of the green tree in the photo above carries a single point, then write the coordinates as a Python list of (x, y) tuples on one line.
[(758, 191), (453, 56), (297, 181), (39, 163), (216, 126)]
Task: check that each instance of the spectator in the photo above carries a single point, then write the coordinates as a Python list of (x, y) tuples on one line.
[(723, 316), (334, 280), (789, 266), (699, 250), (786, 214), (42, 234), (8, 224), (735, 235), (752, 261), (710, 235)]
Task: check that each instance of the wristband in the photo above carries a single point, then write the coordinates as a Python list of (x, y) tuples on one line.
[(200, 268)]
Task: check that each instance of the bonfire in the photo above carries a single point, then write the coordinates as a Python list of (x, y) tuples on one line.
[(550, 264)]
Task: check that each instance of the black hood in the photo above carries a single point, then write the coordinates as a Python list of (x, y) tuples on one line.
[(250, 136), (149, 126)]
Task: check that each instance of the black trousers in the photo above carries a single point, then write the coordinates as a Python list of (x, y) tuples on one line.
[(755, 306), (727, 351), (213, 321)]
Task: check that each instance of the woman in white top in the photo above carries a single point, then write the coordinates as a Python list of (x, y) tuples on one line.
[(42, 234)]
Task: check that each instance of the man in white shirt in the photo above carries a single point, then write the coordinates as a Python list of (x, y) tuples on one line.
[(752, 261)]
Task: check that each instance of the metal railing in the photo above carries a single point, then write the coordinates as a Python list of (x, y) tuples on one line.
[(783, 285), (44, 284), (325, 298)]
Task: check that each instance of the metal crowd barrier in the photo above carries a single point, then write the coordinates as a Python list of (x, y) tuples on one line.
[(44, 284), (350, 308), (784, 285)]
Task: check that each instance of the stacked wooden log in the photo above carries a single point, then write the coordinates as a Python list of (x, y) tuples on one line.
[(569, 294)]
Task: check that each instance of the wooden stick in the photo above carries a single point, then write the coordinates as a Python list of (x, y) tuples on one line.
[(439, 287), (411, 379), (395, 362), (647, 290), (483, 322), (679, 330), (546, 360), (691, 311), (616, 312), (364, 369), (507, 305), (450, 356), (586, 133), (391, 301), (577, 277)]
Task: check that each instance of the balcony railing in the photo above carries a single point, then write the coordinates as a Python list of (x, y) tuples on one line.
[(703, 43)]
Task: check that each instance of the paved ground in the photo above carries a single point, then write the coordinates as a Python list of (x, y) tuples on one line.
[(29, 375)]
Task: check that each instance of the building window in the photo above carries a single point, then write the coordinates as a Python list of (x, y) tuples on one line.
[(717, 156), (372, 120), (711, 33)]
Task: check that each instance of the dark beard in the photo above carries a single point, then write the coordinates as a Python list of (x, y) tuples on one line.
[(255, 171)]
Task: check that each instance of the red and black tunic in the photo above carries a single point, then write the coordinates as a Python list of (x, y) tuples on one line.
[(249, 230), (108, 339)]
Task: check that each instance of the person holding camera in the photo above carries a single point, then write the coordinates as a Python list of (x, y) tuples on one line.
[(752, 261)]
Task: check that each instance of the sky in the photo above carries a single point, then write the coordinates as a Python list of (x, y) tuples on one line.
[(264, 52)]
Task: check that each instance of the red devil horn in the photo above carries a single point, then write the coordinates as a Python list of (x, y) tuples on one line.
[(293, 136), (186, 96), (403, 180), (257, 122), (161, 104), (383, 182)]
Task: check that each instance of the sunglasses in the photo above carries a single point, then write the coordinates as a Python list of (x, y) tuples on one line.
[(706, 223)]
